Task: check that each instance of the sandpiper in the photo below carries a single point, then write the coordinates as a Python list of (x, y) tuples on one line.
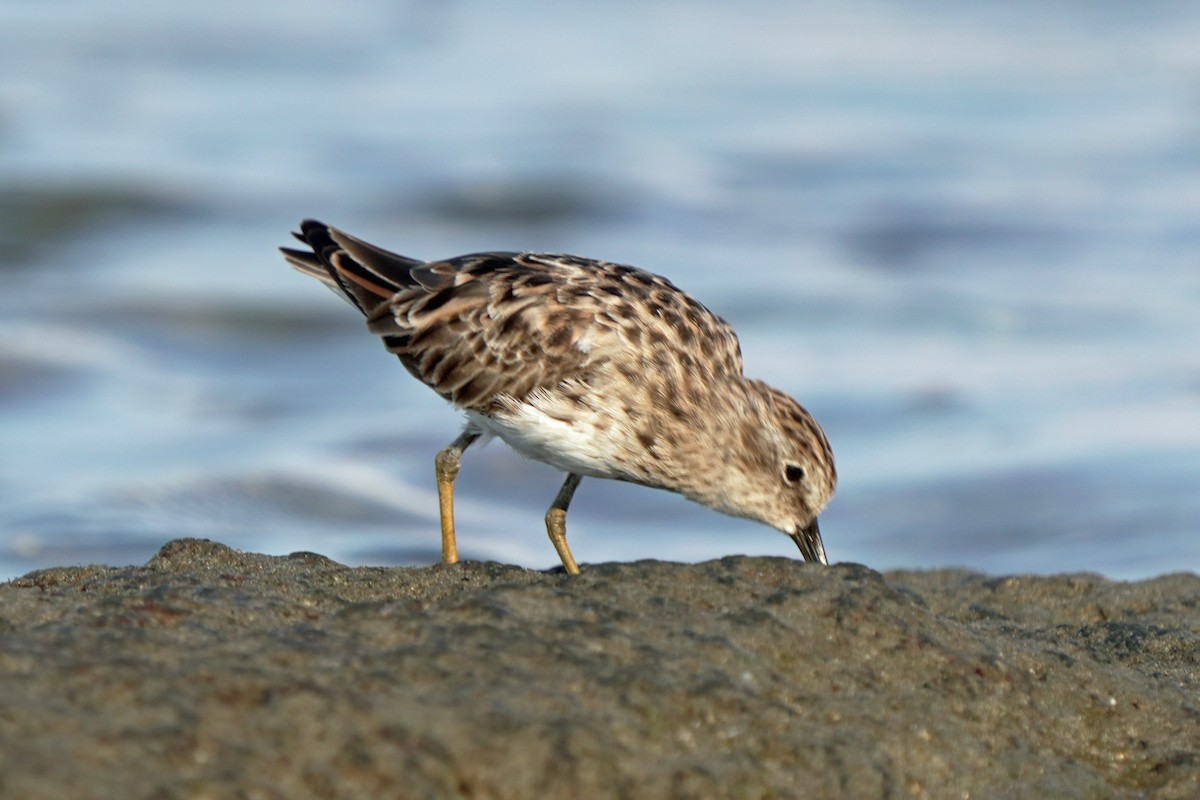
[(598, 369)]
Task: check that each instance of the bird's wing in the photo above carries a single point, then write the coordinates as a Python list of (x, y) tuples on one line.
[(485, 328)]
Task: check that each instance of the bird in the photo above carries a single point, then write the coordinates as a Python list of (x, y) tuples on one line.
[(596, 368)]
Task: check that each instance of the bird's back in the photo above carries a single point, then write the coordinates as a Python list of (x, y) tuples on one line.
[(493, 327)]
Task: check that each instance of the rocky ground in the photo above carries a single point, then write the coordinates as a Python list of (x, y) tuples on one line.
[(211, 673)]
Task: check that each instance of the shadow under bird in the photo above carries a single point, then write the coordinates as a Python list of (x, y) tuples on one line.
[(598, 369)]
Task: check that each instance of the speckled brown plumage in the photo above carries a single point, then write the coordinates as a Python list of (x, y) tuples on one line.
[(599, 369)]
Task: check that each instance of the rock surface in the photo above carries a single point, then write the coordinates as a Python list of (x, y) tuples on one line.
[(214, 673)]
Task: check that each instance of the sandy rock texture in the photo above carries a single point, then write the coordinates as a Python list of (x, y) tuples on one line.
[(212, 673)]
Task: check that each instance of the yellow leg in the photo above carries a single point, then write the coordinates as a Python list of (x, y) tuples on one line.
[(446, 467), (556, 523)]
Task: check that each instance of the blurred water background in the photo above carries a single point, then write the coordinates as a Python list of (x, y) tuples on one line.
[(965, 235)]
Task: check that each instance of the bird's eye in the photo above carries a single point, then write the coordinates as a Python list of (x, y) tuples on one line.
[(793, 473)]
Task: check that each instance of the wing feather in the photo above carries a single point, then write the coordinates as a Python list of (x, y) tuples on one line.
[(487, 329)]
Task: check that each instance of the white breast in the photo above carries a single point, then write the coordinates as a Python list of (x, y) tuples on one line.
[(539, 430)]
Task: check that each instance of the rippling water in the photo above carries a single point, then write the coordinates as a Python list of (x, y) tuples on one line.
[(966, 236)]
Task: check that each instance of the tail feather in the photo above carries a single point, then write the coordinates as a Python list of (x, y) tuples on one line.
[(361, 273)]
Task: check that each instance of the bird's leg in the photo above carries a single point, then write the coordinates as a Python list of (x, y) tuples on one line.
[(556, 522), (446, 466)]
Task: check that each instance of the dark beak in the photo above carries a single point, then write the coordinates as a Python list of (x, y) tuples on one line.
[(809, 541)]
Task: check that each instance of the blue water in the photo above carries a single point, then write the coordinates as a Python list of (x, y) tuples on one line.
[(965, 235)]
